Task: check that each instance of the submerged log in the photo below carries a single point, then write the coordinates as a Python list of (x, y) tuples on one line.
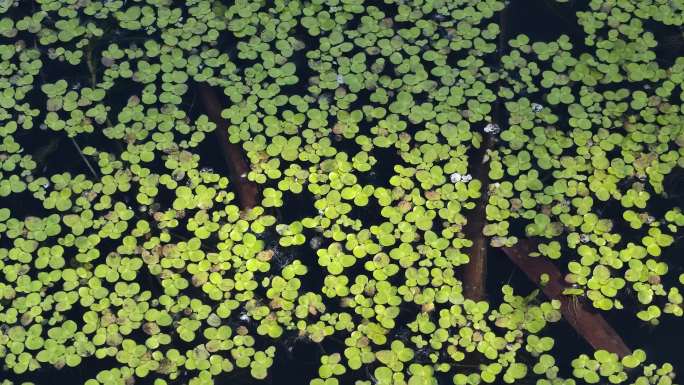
[(238, 166), (580, 315), (475, 271)]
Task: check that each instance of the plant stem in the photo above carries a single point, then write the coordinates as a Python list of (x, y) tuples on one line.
[(91, 66), (90, 167)]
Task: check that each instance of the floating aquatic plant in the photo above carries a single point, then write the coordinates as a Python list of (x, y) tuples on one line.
[(194, 189)]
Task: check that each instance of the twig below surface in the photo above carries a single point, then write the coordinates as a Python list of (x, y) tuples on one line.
[(85, 160)]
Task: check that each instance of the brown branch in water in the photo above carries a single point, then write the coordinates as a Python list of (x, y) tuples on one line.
[(238, 167), (581, 316), (475, 271)]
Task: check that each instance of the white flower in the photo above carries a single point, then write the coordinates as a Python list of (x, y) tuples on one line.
[(340, 79), (536, 107), (492, 128), (467, 178)]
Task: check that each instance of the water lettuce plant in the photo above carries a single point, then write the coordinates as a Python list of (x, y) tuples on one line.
[(191, 191)]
